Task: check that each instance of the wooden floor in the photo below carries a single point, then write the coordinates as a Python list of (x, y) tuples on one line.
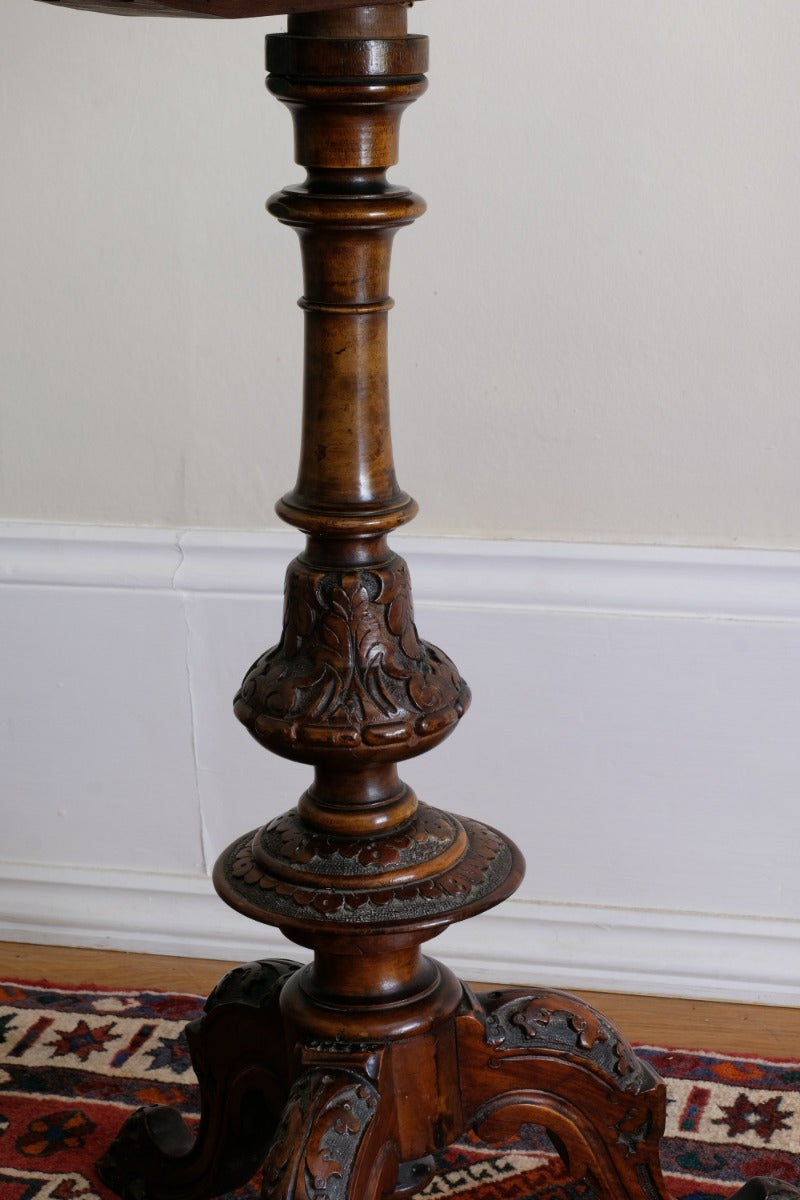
[(688, 1024)]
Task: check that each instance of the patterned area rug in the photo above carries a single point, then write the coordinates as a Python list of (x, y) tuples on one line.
[(74, 1063)]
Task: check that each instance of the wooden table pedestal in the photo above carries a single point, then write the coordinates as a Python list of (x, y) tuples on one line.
[(342, 1078)]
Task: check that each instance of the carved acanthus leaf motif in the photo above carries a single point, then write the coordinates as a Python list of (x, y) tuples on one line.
[(350, 670), (561, 1023), (253, 983), (319, 1136), (538, 1014)]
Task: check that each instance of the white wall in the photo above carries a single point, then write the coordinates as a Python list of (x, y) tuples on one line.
[(596, 336)]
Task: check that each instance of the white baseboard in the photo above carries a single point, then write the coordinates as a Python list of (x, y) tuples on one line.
[(753, 585), (634, 728), (554, 945)]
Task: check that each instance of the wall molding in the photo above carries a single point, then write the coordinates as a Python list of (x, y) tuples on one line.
[(191, 593), (748, 584), (581, 946)]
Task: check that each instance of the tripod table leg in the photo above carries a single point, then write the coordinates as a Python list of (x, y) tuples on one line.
[(544, 1058), (239, 1054)]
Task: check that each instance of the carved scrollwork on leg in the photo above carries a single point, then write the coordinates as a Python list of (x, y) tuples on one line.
[(255, 983), (329, 1144), (545, 1058), (239, 1055), (556, 1023)]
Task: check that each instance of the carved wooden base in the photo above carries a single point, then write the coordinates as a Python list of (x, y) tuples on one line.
[(330, 1118)]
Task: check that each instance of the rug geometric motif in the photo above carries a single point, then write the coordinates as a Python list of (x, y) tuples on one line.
[(75, 1061)]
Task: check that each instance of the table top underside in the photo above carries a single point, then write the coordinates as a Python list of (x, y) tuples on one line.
[(209, 8)]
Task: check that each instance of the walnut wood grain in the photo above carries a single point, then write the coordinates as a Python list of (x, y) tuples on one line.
[(351, 688)]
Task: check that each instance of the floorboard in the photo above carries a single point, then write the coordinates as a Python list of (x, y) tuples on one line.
[(686, 1024)]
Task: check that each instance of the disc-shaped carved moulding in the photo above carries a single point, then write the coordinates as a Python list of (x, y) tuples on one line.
[(434, 869), (350, 679)]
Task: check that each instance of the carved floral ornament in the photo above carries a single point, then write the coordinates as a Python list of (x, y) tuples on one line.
[(320, 1134), (484, 870), (558, 1022), (350, 672), (422, 840)]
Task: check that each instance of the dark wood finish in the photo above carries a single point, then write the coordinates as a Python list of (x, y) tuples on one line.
[(343, 1077), (205, 8)]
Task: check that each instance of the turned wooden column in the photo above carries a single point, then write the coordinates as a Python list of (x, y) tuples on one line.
[(351, 688), (340, 1079)]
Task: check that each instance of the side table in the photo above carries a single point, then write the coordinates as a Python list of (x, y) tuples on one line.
[(342, 1078)]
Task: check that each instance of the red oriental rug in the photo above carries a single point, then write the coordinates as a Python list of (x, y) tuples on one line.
[(75, 1062)]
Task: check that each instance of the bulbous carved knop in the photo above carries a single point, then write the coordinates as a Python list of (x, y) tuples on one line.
[(350, 673)]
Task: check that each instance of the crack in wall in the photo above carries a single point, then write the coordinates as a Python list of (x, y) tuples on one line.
[(183, 598)]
